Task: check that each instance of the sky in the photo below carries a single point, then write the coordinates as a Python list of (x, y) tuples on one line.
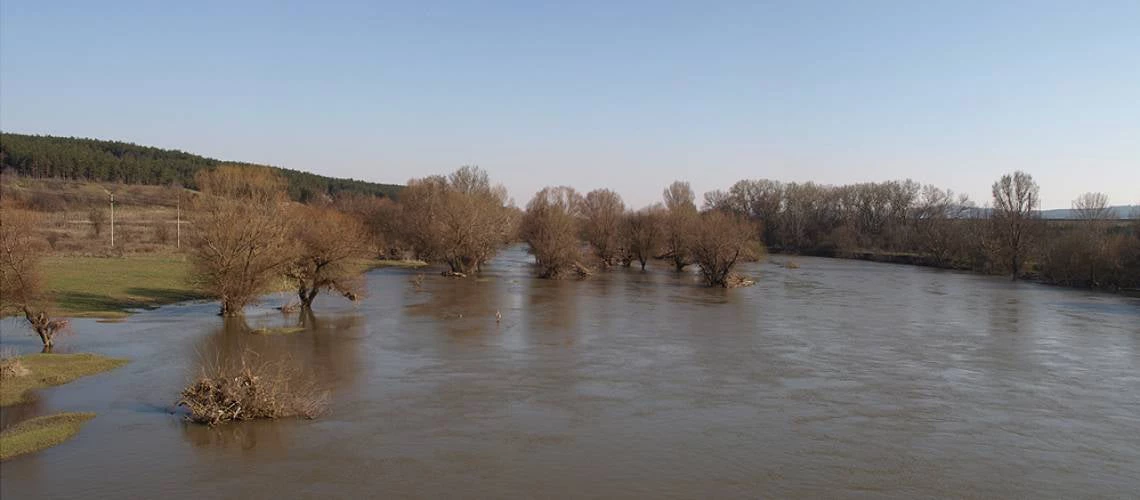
[(624, 95)]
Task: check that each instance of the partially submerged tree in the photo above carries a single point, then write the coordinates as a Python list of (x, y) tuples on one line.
[(460, 220), (1014, 218), (550, 226), (720, 240), (21, 285), (241, 235), (680, 218), (643, 233), (602, 212), (329, 242)]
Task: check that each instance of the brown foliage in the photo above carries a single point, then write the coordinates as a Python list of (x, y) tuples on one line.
[(460, 220), (719, 241), (328, 243), (240, 234), (252, 388), (550, 226)]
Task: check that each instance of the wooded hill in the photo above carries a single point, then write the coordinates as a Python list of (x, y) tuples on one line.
[(42, 156)]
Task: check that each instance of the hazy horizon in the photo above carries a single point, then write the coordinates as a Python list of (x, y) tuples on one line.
[(626, 97)]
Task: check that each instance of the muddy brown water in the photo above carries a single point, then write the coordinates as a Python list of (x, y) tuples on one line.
[(837, 379)]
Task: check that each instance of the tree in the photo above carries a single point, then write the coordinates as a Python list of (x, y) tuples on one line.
[(602, 212), (1014, 218), (460, 220), (98, 219), (681, 215), (721, 239), (550, 226), (21, 285), (328, 243), (241, 236), (1092, 207), (643, 233), (935, 220)]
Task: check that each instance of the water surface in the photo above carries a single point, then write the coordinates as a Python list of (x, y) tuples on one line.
[(837, 379)]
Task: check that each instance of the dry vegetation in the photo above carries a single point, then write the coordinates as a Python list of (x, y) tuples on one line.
[(252, 388)]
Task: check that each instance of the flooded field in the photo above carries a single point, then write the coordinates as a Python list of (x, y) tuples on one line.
[(840, 378)]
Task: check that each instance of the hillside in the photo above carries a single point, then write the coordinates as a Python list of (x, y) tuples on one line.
[(96, 160)]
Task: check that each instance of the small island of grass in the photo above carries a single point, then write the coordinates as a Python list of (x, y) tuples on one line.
[(37, 371), (39, 433)]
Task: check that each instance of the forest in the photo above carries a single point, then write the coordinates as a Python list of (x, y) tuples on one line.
[(42, 156)]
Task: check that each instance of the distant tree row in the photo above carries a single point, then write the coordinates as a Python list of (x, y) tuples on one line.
[(112, 161)]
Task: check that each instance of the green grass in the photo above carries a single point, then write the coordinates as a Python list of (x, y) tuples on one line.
[(41, 432), (46, 370), (108, 287)]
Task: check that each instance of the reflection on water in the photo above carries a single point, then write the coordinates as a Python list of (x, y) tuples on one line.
[(839, 378)]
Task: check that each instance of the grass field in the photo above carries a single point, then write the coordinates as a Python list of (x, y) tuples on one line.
[(107, 287), (46, 370), (41, 432)]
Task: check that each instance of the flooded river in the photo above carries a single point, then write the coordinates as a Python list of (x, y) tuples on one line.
[(837, 379)]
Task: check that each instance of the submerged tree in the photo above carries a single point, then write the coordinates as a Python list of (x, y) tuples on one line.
[(680, 219), (1014, 218), (720, 240), (602, 212), (21, 285), (329, 242), (643, 233), (550, 226), (460, 220), (240, 234)]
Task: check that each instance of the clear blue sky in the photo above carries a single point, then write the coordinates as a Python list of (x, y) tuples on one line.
[(627, 95)]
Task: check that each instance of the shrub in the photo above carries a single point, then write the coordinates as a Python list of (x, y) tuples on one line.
[(249, 389)]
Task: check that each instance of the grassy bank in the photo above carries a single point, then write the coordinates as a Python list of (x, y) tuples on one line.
[(41, 432), (108, 287), (46, 370)]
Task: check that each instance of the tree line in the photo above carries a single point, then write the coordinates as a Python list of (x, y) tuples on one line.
[(247, 236), (113, 161)]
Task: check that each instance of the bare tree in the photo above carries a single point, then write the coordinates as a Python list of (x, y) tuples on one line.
[(460, 220), (1092, 207), (935, 220), (21, 285), (722, 239), (329, 244), (240, 234), (680, 219), (550, 226), (602, 212), (644, 233), (1015, 217)]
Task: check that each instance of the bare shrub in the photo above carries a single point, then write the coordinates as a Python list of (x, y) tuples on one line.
[(328, 244), (240, 238), (10, 365), (550, 226), (602, 211), (161, 232), (720, 241), (252, 388)]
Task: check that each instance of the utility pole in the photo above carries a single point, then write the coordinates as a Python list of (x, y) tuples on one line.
[(112, 220), (178, 225)]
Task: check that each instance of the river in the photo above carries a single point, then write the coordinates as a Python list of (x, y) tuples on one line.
[(837, 379)]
